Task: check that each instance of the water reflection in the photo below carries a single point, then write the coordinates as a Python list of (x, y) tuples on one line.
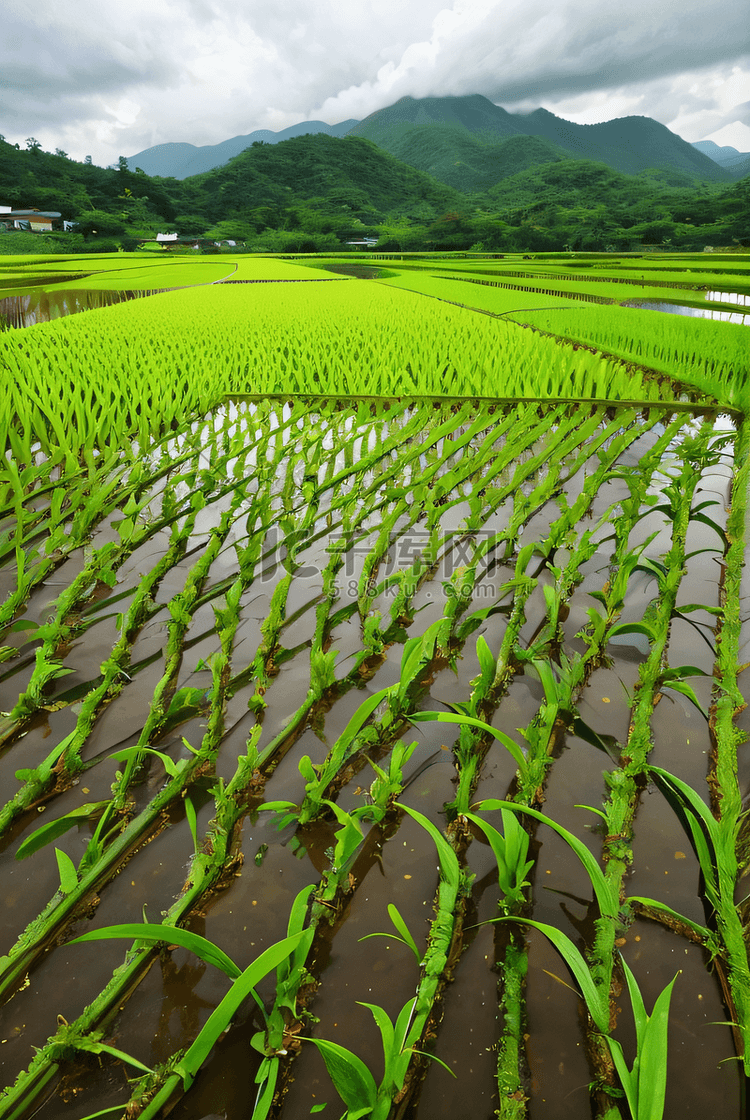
[(697, 312), (39, 305)]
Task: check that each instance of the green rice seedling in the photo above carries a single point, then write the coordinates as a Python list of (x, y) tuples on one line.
[(244, 984), (715, 845), (607, 898), (345, 745), (388, 784), (352, 1079), (645, 1084), (510, 849), (180, 607), (403, 935), (348, 838), (470, 721)]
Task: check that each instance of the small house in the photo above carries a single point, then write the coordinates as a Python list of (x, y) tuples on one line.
[(39, 221)]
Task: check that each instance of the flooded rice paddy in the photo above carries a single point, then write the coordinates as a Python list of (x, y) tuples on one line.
[(40, 305), (279, 570)]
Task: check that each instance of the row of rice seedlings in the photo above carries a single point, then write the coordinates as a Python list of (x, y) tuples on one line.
[(718, 837), (557, 710), (710, 356), (728, 702), (139, 523), (496, 671), (288, 956), (103, 858), (322, 338)]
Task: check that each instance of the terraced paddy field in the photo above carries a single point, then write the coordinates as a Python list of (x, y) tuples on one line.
[(373, 688)]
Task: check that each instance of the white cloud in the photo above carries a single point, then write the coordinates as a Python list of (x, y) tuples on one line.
[(735, 135), (112, 79)]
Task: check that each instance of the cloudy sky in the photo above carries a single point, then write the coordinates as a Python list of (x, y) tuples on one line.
[(112, 79)]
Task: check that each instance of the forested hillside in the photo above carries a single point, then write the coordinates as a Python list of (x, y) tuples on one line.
[(316, 192)]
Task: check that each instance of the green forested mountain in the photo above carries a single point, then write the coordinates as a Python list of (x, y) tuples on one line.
[(182, 160), (316, 192), (474, 114), (468, 163), (351, 170), (630, 144)]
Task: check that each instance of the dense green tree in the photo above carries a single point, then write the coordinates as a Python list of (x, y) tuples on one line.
[(99, 224)]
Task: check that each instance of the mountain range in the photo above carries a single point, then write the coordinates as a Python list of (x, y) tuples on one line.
[(738, 162), (180, 161), (470, 143)]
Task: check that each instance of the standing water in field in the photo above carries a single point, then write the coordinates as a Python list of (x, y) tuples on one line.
[(40, 305), (695, 312)]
